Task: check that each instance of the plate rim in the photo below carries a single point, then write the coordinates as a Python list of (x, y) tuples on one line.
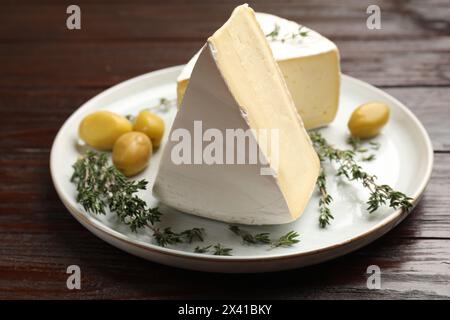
[(393, 219)]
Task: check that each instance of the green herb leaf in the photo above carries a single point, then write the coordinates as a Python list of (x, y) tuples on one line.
[(219, 250), (164, 105), (286, 240), (166, 237), (202, 249), (275, 35), (375, 145), (194, 234), (259, 238), (370, 157), (302, 33), (325, 200)]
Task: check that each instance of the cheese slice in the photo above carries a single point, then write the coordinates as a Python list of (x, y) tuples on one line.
[(237, 85), (310, 66)]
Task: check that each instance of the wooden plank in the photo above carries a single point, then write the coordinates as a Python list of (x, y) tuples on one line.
[(398, 62), (74, 64), (432, 108), (431, 218), (35, 266), (152, 20), (30, 119)]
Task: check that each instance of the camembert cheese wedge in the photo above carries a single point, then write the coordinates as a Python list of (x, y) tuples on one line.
[(309, 63), (237, 85)]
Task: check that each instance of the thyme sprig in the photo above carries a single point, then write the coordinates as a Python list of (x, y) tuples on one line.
[(275, 35), (325, 200), (101, 186), (259, 238), (202, 249), (348, 168), (357, 146), (194, 234), (286, 240), (220, 250), (217, 250), (168, 237), (375, 145), (163, 106), (370, 157)]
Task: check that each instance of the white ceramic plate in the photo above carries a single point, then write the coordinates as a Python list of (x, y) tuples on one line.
[(404, 161)]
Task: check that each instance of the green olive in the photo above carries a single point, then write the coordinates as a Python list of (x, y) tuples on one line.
[(152, 125), (102, 128), (131, 153), (367, 120)]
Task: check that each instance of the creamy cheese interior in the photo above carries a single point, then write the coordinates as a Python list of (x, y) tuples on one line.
[(313, 82), (246, 63)]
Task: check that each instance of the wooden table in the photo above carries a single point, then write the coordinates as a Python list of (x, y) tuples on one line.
[(47, 72)]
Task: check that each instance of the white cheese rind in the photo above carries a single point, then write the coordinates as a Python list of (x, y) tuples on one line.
[(236, 84), (230, 193)]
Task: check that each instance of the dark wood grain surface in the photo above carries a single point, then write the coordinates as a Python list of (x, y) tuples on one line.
[(47, 72)]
